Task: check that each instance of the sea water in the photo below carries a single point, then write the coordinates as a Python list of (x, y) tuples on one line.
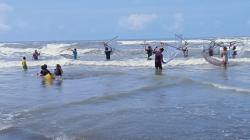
[(121, 99)]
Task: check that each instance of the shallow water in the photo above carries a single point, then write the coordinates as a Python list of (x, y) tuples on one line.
[(123, 98)]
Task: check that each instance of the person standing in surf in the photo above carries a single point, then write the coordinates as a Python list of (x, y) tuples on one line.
[(107, 51), (24, 64), (35, 55), (159, 59), (211, 48), (74, 51), (149, 52), (232, 50), (224, 56), (185, 49)]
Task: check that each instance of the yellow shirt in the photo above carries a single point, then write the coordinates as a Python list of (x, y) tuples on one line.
[(24, 64)]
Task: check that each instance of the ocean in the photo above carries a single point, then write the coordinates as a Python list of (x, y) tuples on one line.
[(122, 99)]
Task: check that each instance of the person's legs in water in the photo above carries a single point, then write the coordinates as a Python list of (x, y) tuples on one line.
[(108, 55), (225, 65), (35, 57), (186, 53), (225, 61), (158, 66), (149, 56), (234, 54), (75, 56), (149, 53)]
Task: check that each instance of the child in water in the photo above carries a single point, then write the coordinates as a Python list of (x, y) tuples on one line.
[(44, 70), (24, 64), (58, 71)]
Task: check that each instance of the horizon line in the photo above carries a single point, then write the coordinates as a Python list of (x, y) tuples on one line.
[(128, 39)]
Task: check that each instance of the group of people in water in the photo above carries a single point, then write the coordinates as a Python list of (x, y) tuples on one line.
[(58, 70), (227, 52), (44, 71), (157, 51), (158, 56)]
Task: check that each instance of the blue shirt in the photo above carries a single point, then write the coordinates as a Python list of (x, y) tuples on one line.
[(75, 54)]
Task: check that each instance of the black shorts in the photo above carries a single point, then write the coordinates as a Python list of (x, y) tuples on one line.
[(158, 65), (108, 53)]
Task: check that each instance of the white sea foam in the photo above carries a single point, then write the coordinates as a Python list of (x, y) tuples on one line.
[(48, 50), (240, 60), (10, 51), (121, 63), (194, 61), (4, 121), (55, 49), (124, 63), (225, 87), (247, 49), (140, 42), (4, 126), (7, 64)]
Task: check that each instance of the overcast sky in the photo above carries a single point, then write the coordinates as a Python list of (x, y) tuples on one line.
[(25, 20)]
